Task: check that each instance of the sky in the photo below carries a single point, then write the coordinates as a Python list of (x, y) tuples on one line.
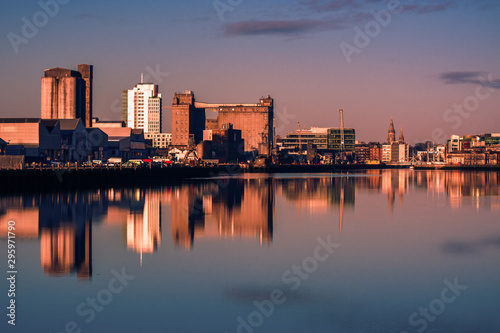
[(434, 66)]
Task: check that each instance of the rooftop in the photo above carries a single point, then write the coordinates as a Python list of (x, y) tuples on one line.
[(19, 120)]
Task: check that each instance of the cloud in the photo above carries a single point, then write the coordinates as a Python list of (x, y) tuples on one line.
[(337, 5), (324, 15), (293, 27), (477, 78), (421, 7), (428, 9)]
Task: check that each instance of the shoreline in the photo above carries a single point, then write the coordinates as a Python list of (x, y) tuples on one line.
[(16, 181)]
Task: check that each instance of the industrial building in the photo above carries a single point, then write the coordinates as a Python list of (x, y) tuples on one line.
[(67, 94), (256, 121), (68, 140), (33, 135), (225, 144), (188, 121)]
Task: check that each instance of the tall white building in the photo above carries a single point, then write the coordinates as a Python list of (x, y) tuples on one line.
[(141, 108)]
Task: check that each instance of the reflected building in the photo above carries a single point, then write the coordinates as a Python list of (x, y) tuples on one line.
[(234, 208), (138, 212), (231, 208), (319, 193), (66, 235), (64, 226), (144, 225), (24, 212), (472, 185)]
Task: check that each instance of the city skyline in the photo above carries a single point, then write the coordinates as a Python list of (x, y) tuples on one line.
[(416, 64)]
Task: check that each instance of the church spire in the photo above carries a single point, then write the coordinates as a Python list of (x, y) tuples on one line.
[(401, 136), (391, 134)]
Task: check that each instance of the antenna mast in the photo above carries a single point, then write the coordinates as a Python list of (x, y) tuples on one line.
[(342, 139)]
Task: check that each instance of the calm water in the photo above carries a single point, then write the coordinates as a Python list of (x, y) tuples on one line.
[(382, 251)]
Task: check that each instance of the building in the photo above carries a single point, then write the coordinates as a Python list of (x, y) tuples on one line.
[(211, 124), (454, 144), (395, 151), (256, 122), (144, 108), (188, 121), (474, 141), (375, 152), (435, 154), (98, 144), (362, 152), (473, 158), (73, 136), (334, 139), (298, 140), (107, 123), (67, 94), (225, 144), (386, 153), (322, 139), (33, 134), (391, 133), (3, 145), (126, 143), (399, 152), (159, 140)]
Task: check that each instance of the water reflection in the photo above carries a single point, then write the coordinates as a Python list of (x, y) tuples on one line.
[(234, 208)]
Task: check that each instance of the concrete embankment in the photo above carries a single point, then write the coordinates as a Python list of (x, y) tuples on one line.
[(16, 181)]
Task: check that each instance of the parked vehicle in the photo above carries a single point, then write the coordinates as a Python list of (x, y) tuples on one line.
[(114, 160)]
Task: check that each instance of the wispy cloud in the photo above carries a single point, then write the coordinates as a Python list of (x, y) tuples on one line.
[(430, 8), (323, 15), (477, 78), (337, 5), (293, 27)]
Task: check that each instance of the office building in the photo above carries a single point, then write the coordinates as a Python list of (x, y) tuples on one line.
[(143, 106), (67, 94), (298, 140), (334, 139)]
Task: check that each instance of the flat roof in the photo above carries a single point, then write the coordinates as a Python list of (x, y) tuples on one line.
[(19, 120), (202, 105)]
